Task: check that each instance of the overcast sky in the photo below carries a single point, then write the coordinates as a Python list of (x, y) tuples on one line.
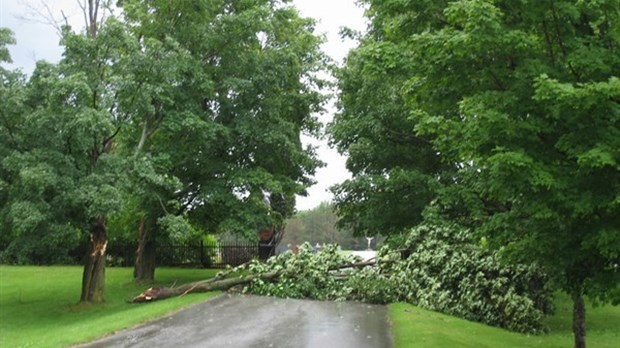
[(37, 41)]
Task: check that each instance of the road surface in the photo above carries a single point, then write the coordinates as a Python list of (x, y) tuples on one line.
[(262, 322)]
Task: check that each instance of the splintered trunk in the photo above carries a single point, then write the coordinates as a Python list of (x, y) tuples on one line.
[(579, 321), (93, 278), (144, 267)]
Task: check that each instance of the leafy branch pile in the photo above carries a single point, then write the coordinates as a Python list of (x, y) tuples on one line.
[(444, 271)]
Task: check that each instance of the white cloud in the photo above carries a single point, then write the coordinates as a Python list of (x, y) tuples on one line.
[(331, 15), (36, 40)]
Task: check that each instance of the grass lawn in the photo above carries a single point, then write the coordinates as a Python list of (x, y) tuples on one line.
[(38, 308), (416, 327), (38, 305)]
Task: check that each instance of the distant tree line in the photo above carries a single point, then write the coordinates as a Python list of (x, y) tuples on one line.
[(319, 225)]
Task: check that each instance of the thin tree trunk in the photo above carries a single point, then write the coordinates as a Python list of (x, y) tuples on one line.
[(144, 267), (579, 321), (93, 278)]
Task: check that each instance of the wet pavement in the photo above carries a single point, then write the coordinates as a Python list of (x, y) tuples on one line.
[(262, 322)]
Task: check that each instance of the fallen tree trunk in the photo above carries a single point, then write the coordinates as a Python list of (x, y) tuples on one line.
[(153, 294), (219, 283)]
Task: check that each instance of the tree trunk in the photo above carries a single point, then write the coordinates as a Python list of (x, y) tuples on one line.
[(144, 267), (153, 294), (579, 321), (93, 278)]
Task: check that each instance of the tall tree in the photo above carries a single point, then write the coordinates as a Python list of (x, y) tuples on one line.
[(64, 172), (522, 98), (92, 58), (12, 94), (394, 170), (231, 86)]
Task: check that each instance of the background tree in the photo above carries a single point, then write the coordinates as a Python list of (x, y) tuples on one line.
[(149, 98), (318, 225), (394, 170), (13, 242), (64, 173), (521, 99)]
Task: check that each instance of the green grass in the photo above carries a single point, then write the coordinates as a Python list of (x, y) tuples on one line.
[(416, 327), (38, 308), (38, 305)]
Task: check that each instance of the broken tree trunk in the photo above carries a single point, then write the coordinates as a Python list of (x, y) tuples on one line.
[(219, 283), (93, 277)]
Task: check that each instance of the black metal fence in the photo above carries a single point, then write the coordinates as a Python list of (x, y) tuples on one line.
[(216, 255)]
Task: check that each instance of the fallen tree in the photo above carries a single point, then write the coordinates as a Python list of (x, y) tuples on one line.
[(224, 281), (445, 270)]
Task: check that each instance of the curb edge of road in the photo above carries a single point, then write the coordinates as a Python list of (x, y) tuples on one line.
[(214, 300)]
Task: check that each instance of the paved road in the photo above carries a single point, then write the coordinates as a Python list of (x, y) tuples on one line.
[(262, 322)]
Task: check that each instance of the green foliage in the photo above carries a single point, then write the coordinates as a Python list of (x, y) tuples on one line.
[(57, 164), (6, 38), (178, 229), (304, 275), (444, 272), (511, 118), (183, 125), (534, 128), (43, 246), (448, 273), (209, 239), (393, 168), (218, 101)]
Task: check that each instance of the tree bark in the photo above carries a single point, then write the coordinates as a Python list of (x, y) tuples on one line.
[(153, 294), (579, 321), (93, 278), (144, 267)]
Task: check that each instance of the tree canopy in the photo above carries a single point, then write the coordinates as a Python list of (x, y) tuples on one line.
[(513, 110)]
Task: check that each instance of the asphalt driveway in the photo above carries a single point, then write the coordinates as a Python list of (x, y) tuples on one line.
[(262, 322)]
